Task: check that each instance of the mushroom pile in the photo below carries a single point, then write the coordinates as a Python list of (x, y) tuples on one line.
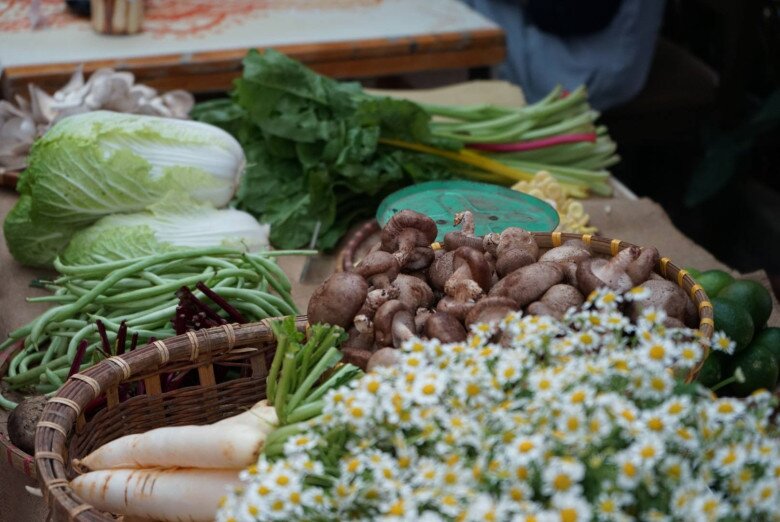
[(405, 288)]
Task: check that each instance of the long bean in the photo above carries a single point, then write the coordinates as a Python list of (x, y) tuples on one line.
[(140, 292)]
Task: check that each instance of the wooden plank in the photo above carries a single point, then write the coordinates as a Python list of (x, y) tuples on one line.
[(210, 71)]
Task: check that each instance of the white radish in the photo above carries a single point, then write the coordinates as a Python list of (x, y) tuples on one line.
[(234, 443), (158, 494)]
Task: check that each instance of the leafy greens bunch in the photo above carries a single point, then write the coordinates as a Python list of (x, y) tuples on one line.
[(313, 148)]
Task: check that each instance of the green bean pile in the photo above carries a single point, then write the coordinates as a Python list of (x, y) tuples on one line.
[(141, 292)]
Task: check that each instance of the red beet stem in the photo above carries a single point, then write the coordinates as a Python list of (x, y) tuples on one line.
[(541, 143), (81, 349), (121, 337), (106, 348), (185, 293), (234, 314)]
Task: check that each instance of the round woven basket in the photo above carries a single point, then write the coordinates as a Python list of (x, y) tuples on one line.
[(361, 241), (13, 456), (64, 433)]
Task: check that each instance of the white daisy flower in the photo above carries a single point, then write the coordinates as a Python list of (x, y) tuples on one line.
[(562, 476), (720, 342)]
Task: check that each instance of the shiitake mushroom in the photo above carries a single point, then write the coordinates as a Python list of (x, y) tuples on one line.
[(475, 279)]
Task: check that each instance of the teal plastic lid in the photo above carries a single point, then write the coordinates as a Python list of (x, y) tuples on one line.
[(494, 207)]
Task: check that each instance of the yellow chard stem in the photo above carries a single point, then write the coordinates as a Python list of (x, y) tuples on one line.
[(465, 156)]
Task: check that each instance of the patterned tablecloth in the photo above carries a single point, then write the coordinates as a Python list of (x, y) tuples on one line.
[(44, 33)]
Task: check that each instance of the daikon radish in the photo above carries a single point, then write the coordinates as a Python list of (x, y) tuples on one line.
[(158, 494), (233, 443)]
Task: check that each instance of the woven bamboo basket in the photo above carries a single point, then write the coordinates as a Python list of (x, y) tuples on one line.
[(364, 235), (64, 433)]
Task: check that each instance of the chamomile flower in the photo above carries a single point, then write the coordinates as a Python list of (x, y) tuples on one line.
[(720, 342), (562, 476), (729, 459), (638, 293), (477, 431), (709, 507)]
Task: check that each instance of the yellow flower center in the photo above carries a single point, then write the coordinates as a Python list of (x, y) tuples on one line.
[(282, 480), (657, 352), (675, 408), (655, 424), (373, 386), (472, 389), (568, 515), (725, 407), (629, 469), (658, 384), (429, 389), (578, 397), (253, 510), (730, 458), (357, 412), (562, 482), (397, 509), (525, 446)]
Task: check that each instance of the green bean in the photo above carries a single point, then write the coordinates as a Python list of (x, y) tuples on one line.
[(251, 310), (76, 339), (33, 357), (228, 281), (164, 314), (44, 389), (152, 277), (53, 377), (32, 374), (271, 267), (52, 299), (139, 295), (97, 270), (54, 346), (279, 253), (7, 404), (280, 288), (119, 286), (170, 304)]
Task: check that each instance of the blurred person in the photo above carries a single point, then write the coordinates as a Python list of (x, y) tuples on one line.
[(605, 44)]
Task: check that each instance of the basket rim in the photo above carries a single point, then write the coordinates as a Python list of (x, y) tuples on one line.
[(63, 410)]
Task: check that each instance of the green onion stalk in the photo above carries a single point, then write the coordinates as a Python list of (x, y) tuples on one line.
[(303, 370)]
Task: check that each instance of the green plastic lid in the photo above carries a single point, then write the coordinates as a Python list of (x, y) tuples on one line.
[(494, 207)]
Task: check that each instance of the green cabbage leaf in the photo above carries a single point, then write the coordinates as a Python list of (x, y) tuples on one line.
[(172, 224)]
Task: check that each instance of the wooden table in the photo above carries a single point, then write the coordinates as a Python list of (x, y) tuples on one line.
[(198, 45)]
